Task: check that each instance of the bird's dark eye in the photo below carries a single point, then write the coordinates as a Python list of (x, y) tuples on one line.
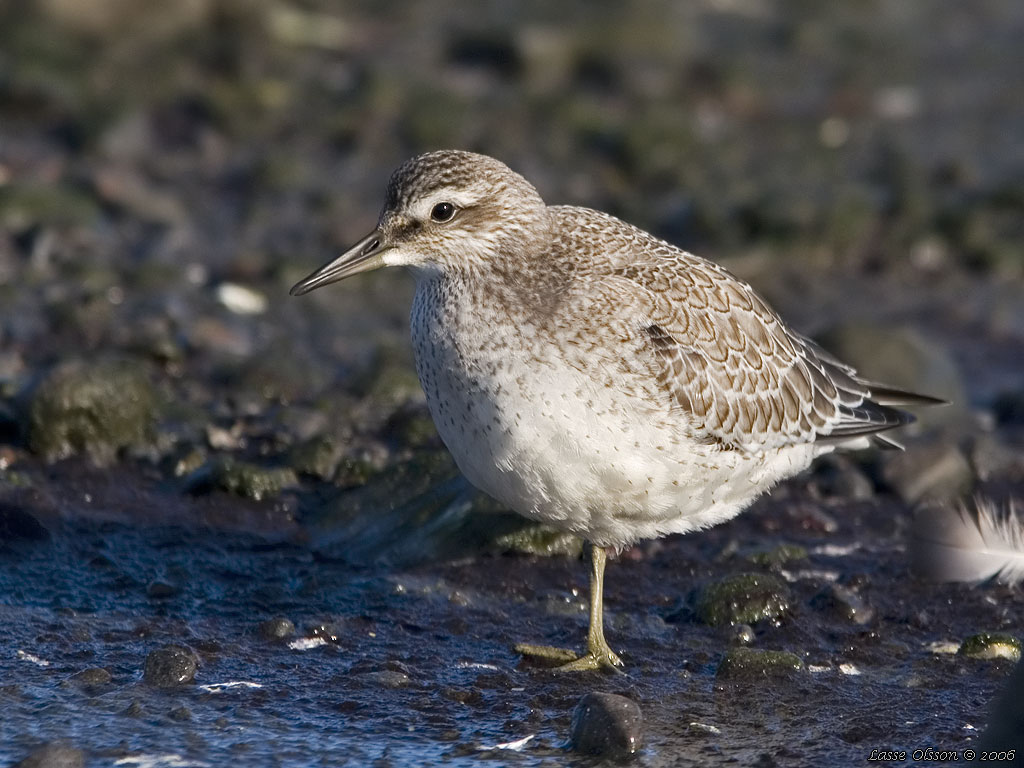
[(442, 212)]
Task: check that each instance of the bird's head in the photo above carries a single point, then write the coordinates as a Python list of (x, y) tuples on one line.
[(445, 211)]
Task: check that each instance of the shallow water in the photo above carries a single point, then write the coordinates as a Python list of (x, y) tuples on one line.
[(417, 666)]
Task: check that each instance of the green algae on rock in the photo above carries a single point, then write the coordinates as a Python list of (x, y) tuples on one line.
[(986, 645), (780, 555), (743, 598), (92, 409), (317, 457), (243, 478), (539, 539)]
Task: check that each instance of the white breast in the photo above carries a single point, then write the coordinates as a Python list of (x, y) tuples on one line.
[(554, 444)]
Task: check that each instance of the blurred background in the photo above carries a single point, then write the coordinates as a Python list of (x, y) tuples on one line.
[(169, 169)]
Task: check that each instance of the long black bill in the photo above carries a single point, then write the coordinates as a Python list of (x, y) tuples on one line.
[(364, 256)]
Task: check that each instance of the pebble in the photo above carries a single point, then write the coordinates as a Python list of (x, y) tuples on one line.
[(241, 299), (53, 756), (276, 629), (607, 724), (845, 603), (17, 523), (161, 589), (170, 665), (90, 676), (389, 678), (743, 598), (838, 477)]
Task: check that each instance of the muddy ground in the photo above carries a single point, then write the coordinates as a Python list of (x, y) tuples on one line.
[(191, 459)]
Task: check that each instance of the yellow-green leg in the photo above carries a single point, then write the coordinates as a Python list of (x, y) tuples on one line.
[(598, 653)]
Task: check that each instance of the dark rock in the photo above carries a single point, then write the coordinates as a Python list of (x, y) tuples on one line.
[(53, 756), (17, 523), (91, 676), (1009, 407), (607, 724), (845, 603), (388, 678), (161, 589), (276, 629), (754, 664), (1006, 723), (934, 472), (92, 409), (743, 598), (135, 709), (170, 665), (838, 477), (811, 517), (10, 427)]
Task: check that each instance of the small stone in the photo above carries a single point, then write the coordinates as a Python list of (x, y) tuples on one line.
[(991, 646), (241, 299), (53, 756), (317, 457), (607, 724), (161, 589), (135, 709), (743, 598), (935, 472), (18, 523), (742, 634), (845, 603), (170, 665), (190, 462), (389, 678), (1009, 407), (90, 676), (752, 664), (838, 477), (276, 629), (181, 714)]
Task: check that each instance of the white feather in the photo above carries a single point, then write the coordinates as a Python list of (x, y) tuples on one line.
[(969, 545)]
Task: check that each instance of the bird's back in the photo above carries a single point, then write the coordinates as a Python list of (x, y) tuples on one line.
[(711, 348)]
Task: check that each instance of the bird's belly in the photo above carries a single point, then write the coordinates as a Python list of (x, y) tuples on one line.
[(554, 446)]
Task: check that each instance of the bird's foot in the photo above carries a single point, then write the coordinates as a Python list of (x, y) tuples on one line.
[(565, 660)]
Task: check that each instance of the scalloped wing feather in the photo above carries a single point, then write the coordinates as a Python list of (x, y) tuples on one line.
[(719, 353)]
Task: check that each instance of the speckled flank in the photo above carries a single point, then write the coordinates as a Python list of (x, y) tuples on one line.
[(591, 376)]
